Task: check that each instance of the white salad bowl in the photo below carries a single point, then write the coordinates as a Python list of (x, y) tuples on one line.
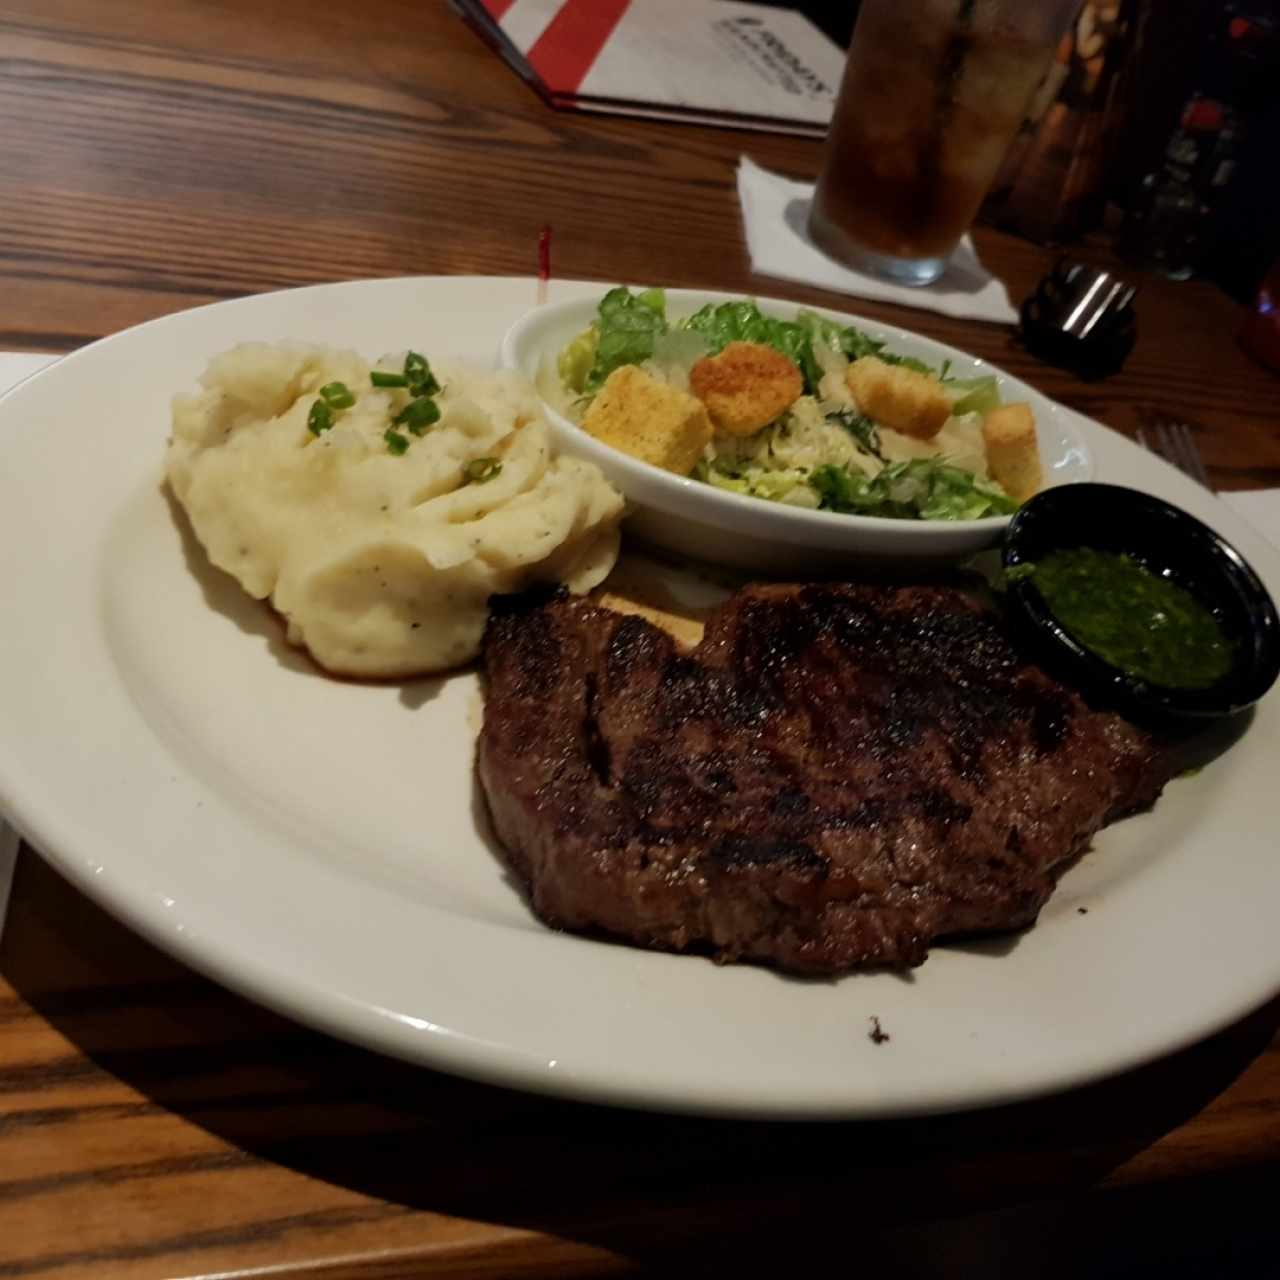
[(691, 518)]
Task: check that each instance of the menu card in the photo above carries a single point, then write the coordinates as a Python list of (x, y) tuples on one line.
[(706, 61)]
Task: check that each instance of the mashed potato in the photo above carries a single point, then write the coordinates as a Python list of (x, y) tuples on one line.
[(382, 562)]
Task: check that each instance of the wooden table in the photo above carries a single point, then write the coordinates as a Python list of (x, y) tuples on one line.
[(159, 154)]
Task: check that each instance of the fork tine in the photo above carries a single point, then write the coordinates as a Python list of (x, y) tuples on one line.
[(1195, 468), (1178, 448), (1175, 443), (1184, 451)]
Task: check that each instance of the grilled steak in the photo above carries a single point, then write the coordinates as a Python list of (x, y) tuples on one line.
[(834, 777)]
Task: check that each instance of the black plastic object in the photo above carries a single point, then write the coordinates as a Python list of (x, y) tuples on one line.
[(1166, 540), (1080, 318)]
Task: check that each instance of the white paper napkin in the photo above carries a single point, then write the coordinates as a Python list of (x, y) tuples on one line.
[(14, 366), (1261, 508), (775, 212)]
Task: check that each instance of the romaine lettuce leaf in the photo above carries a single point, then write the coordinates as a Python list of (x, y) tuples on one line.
[(574, 363), (980, 395), (627, 325), (848, 340), (920, 489), (726, 322), (861, 428), (907, 362), (756, 482), (852, 341)]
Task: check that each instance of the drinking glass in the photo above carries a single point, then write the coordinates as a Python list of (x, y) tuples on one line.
[(933, 93)]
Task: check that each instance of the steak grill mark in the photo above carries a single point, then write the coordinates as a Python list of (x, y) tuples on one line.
[(836, 776)]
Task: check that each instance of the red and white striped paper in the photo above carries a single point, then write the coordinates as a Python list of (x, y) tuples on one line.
[(713, 61)]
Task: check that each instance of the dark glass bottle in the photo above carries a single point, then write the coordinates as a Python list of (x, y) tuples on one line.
[(1260, 335), (1169, 224)]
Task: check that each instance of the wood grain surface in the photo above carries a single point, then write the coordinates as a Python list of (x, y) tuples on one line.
[(165, 153), (160, 154), (153, 1124)]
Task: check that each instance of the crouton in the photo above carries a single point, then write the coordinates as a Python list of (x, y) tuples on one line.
[(649, 420), (904, 399), (746, 386), (1013, 459)]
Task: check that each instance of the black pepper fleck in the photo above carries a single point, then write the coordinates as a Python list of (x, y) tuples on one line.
[(877, 1034)]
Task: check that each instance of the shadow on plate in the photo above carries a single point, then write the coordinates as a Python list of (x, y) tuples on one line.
[(995, 946), (484, 829), (944, 1195), (1216, 739), (415, 694), (223, 594)]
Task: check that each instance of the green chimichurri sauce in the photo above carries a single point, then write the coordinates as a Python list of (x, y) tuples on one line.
[(1133, 618)]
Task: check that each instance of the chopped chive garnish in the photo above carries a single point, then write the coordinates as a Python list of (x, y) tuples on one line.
[(337, 395), (418, 415), (418, 374), (478, 470), (320, 418), (396, 443), (380, 379)]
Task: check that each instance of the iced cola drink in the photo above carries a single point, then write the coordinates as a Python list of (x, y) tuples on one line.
[(933, 93)]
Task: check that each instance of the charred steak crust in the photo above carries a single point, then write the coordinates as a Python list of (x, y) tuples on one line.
[(834, 777)]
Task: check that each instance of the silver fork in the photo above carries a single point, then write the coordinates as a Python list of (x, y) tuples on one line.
[(1174, 442)]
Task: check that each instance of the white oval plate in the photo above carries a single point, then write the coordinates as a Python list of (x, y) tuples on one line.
[(317, 845), (686, 516)]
